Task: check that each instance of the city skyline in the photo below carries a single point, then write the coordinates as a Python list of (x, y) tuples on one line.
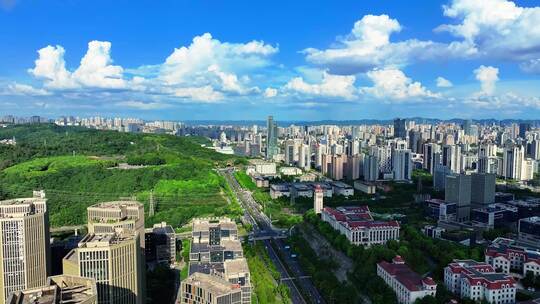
[(199, 61)]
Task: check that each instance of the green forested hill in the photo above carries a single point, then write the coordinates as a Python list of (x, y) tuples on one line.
[(77, 167)]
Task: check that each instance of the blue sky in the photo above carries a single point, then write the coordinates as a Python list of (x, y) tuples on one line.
[(297, 60)]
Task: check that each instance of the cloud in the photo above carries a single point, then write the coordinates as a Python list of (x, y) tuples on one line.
[(488, 77), (506, 101), (395, 85), (206, 56), (497, 28), (203, 94), (24, 89), (95, 70), (368, 45), (207, 70), (140, 105), (329, 86), (532, 66), (51, 67), (443, 82), (270, 92)]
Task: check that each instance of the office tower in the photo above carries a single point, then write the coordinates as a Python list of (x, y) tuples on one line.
[(402, 164), (429, 154), (108, 217), (113, 260), (160, 244), (400, 131), (458, 191), (24, 244), (524, 127), (451, 157), (439, 176), (272, 148), (488, 164), (320, 149), (512, 161), (371, 168), (318, 199), (291, 151), (467, 124), (62, 289), (482, 189)]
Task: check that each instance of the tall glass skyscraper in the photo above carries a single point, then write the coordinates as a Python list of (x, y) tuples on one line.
[(271, 138)]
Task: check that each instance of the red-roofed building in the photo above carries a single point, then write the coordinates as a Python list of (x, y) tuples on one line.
[(479, 281), (504, 255), (407, 284), (357, 224)]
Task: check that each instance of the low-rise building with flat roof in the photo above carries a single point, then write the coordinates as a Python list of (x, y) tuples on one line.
[(62, 289)]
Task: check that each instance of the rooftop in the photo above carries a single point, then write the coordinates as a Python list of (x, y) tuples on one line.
[(60, 289), (214, 284)]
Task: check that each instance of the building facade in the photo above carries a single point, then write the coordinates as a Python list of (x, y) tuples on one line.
[(24, 244), (406, 284)]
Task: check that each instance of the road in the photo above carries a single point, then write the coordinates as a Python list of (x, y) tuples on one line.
[(263, 229)]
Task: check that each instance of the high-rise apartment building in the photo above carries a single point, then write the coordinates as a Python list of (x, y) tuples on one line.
[(430, 149), (113, 260), (513, 161), (402, 164), (451, 157), (24, 244), (318, 198)]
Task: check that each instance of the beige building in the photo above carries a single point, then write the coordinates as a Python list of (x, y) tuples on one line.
[(24, 244), (59, 289), (113, 260), (109, 216), (200, 288)]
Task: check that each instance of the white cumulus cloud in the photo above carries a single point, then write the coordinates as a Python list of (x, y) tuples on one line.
[(329, 86), (95, 70), (393, 84), (443, 82), (369, 45), (496, 28), (24, 89), (270, 92), (488, 77)]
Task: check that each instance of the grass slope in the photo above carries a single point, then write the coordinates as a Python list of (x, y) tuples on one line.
[(75, 167)]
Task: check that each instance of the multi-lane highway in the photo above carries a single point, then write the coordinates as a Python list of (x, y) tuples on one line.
[(291, 273)]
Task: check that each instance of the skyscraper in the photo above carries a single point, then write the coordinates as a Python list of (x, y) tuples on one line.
[(113, 260), (483, 189), (467, 124), (401, 164), (523, 128), (24, 244), (458, 191), (512, 161), (271, 138), (400, 130)]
